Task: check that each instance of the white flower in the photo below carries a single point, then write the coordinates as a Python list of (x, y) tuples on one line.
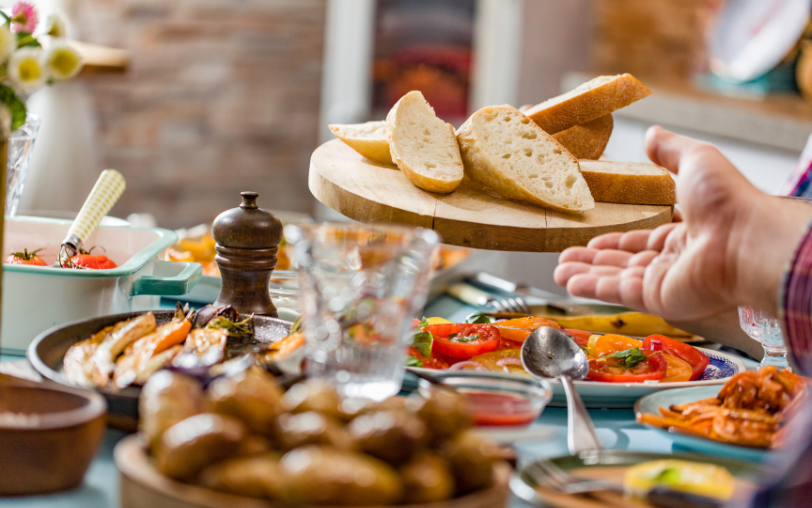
[(25, 69), (61, 61), (55, 26), (7, 43)]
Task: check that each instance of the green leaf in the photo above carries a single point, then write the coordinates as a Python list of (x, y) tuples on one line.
[(584, 349), (630, 357), (15, 106), (411, 361), (26, 39), (421, 341), (478, 318), (423, 323)]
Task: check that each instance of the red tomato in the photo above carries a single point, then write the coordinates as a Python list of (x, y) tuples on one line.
[(505, 344), (428, 363), (696, 358), (93, 262), (25, 258), (580, 337), (653, 368), (463, 340)]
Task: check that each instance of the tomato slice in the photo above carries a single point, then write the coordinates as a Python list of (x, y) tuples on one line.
[(580, 337), (611, 343), (696, 358), (652, 368), (463, 340), (428, 363), (519, 329), (677, 370)]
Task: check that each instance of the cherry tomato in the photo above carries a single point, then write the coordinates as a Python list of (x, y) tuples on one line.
[(696, 358), (463, 340), (580, 337), (652, 368), (428, 363), (93, 262), (677, 370), (25, 258), (611, 343)]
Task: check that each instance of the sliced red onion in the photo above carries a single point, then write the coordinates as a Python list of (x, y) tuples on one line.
[(469, 363), (509, 361)]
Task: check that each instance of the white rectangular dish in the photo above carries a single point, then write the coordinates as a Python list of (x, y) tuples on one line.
[(36, 298)]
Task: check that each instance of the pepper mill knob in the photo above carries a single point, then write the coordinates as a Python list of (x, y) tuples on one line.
[(247, 244)]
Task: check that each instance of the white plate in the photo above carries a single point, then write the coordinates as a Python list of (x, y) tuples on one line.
[(623, 395)]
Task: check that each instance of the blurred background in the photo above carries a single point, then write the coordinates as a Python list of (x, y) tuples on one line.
[(221, 96)]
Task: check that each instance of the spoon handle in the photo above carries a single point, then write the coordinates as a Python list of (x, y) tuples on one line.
[(581, 435)]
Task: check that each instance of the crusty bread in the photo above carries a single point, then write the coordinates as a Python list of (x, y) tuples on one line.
[(368, 139), (423, 146), (590, 101), (587, 141), (502, 149), (635, 183)]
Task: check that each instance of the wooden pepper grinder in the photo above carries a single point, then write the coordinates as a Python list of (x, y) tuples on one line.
[(247, 244)]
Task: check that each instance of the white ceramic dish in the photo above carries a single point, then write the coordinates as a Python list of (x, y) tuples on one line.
[(623, 395), (651, 403), (36, 298)]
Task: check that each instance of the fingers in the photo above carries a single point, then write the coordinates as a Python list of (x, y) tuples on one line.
[(656, 240), (677, 217), (633, 241), (624, 288), (566, 271)]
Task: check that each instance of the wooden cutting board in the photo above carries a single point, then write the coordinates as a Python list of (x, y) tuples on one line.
[(370, 192)]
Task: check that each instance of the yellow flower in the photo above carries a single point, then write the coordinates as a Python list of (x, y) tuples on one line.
[(7, 43), (25, 69), (62, 61)]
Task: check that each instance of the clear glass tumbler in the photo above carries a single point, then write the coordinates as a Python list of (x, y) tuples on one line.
[(20, 146), (767, 330), (360, 287)]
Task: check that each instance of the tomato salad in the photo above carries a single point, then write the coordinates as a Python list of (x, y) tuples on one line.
[(484, 345)]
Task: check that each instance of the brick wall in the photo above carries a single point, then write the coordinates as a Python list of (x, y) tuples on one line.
[(221, 96)]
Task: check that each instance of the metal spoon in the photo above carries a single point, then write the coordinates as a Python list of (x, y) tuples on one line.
[(549, 353)]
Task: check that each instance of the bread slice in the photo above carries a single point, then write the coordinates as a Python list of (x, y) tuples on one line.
[(634, 183), (504, 150), (587, 141), (368, 139), (423, 146), (590, 101)]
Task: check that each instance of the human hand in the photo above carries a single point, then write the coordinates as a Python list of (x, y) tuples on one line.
[(729, 250)]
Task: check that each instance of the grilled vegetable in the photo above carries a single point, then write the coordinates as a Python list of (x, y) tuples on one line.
[(122, 335), (77, 366)]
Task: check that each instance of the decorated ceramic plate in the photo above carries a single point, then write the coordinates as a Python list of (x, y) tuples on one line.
[(651, 404), (722, 366)]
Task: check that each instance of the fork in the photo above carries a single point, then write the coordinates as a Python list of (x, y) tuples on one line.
[(548, 475), (475, 296)]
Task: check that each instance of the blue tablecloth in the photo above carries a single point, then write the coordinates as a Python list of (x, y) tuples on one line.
[(616, 427)]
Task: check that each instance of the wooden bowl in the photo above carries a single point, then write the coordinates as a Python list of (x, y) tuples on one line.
[(48, 438), (142, 486)]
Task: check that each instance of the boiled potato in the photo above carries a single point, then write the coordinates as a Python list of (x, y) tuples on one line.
[(253, 444), (251, 396), (426, 479), (313, 395), (258, 476), (445, 412), (191, 444), (312, 428), (324, 475), (471, 458), (166, 399), (392, 436)]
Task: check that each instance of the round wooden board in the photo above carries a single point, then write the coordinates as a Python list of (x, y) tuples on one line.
[(370, 192), (142, 486)]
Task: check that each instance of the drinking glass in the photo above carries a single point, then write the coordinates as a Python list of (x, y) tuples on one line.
[(361, 286), (767, 330)]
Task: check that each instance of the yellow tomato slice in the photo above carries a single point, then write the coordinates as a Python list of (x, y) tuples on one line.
[(590, 345), (528, 323), (610, 343), (437, 321), (677, 370)]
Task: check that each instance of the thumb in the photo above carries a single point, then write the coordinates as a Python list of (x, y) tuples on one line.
[(666, 148)]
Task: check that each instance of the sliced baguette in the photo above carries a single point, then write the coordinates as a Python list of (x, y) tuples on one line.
[(423, 146), (502, 149), (590, 101), (635, 183), (587, 141), (368, 139)]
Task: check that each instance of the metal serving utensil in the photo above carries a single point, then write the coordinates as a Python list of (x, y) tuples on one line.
[(549, 353), (109, 187)]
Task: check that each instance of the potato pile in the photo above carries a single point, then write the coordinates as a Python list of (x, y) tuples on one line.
[(245, 436)]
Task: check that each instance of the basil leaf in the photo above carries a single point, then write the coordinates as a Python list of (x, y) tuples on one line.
[(411, 361), (421, 341), (630, 357), (478, 319), (584, 349)]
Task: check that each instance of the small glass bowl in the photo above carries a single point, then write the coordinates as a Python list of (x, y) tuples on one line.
[(497, 400)]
